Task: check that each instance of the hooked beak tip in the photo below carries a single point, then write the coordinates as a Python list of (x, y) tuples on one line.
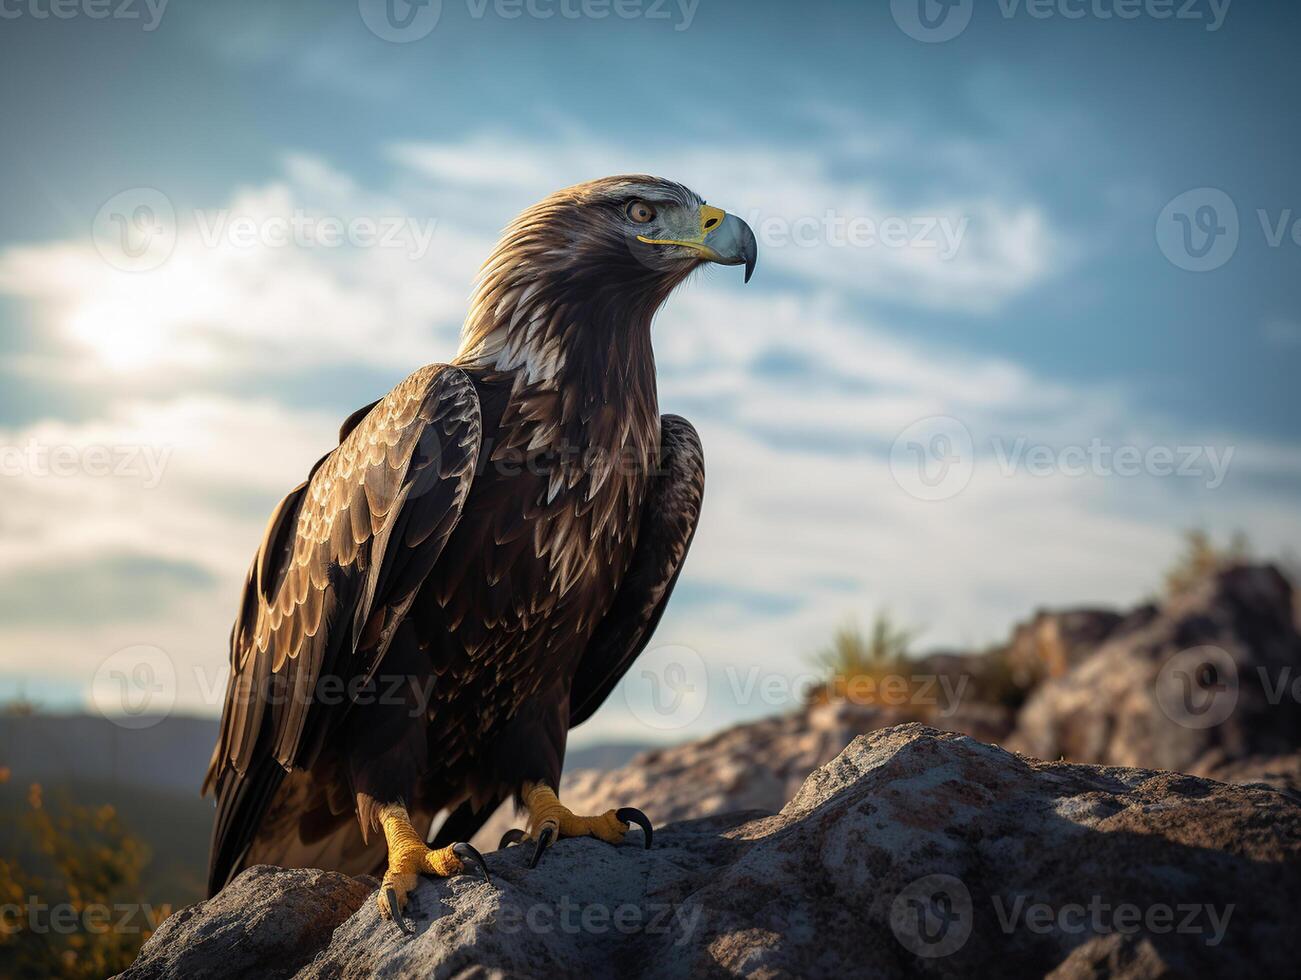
[(734, 244)]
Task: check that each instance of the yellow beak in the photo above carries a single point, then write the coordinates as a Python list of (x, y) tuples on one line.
[(723, 238)]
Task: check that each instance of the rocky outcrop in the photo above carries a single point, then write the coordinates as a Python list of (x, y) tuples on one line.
[(1280, 772), (913, 852), (1105, 688), (268, 924), (1216, 670), (1052, 642), (755, 766)]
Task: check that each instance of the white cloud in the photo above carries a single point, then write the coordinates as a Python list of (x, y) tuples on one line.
[(156, 478), (967, 253), (218, 305)]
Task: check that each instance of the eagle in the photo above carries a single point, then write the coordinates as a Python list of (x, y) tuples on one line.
[(473, 568)]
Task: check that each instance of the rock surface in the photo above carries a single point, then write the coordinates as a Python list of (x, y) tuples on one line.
[(1282, 772), (1215, 670), (1106, 689), (270, 924), (912, 852), (1051, 643), (754, 766)]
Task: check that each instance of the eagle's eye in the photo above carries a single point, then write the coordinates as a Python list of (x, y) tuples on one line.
[(641, 212)]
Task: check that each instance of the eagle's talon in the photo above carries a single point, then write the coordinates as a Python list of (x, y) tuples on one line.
[(409, 857), (631, 815), (545, 838), (471, 857), (554, 820), (512, 836), (390, 907)]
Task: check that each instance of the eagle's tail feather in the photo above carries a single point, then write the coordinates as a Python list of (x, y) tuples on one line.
[(241, 803)]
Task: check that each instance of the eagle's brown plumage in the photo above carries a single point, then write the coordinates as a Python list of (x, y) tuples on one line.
[(473, 568)]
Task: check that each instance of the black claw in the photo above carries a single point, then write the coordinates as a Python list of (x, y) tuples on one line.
[(395, 910), (630, 814), (512, 836), (548, 834), (472, 857)]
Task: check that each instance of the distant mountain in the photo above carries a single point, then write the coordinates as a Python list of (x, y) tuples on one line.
[(170, 755), (611, 755), (150, 775)]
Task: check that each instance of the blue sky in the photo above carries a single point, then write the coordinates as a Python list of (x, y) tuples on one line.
[(1052, 318)]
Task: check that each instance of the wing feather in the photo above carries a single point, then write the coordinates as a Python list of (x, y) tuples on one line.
[(340, 562), (670, 513)]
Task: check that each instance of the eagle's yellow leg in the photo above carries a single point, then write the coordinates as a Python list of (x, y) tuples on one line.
[(409, 857), (549, 819), (547, 811)]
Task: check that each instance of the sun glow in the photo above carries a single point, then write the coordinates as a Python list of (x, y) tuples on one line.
[(137, 321), (121, 335)]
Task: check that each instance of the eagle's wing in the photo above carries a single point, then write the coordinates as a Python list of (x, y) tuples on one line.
[(342, 559), (668, 522)]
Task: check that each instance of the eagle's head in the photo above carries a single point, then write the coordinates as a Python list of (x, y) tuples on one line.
[(634, 230), (590, 263)]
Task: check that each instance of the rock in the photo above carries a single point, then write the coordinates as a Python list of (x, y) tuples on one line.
[(269, 923), (913, 852), (1215, 669), (755, 766), (1280, 772), (1053, 642)]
